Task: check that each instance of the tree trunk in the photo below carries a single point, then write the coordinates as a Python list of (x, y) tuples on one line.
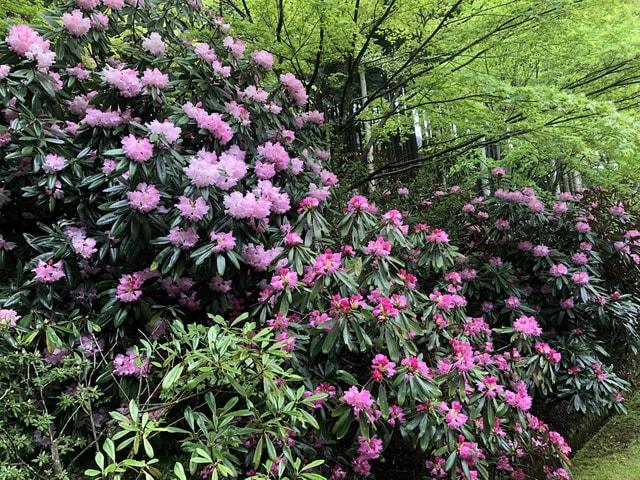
[(367, 129)]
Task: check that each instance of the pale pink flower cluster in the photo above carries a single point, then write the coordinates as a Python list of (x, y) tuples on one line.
[(87, 4), (312, 116), (257, 204), (76, 23), (8, 318), (80, 103), (253, 93), (145, 198), (183, 238), (275, 154), (246, 206), (224, 241), (154, 78), (259, 257), (239, 112), (23, 40), (583, 227), (53, 163), (124, 79), (263, 58), (98, 118), (295, 89), (99, 21), (113, 4), (212, 122), (192, 209), (48, 272), (154, 44), (206, 53), (235, 46), (206, 169), (166, 129), (137, 149), (82, 245), (4, 71), (527, 196)]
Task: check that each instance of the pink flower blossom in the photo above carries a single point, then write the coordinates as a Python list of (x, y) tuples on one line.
[(358, 400), (23, 40), (124, 79), (183, 238), (154, 44), (113, 4), (48, 272), (137, 149), (259, 257), (549, 353), (129, 287), (438, 236), (358, 203), (528, 326), (4, 71), (263, 58), (53, 163), (212, 122), (583, 227), (378, 247), (8, 318), (77, 24), (414, 366), (144, 198), (295, 89), (454, 416), (131, 364), (382, 367), (540, 251), (192, 209), (166, 129), (154, 78), (369, 449), (518, 399), (558, 270), (580, 278), (284, 278)]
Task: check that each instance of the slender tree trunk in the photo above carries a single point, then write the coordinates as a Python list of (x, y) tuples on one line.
[(367, 129), (484, 172)]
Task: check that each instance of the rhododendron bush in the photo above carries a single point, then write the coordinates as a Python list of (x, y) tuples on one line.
[(180, 299)]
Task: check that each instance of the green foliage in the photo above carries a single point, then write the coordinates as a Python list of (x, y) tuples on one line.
[(18, 11)]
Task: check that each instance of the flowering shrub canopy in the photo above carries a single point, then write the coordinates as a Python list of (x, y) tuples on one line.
[(154, 184)]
